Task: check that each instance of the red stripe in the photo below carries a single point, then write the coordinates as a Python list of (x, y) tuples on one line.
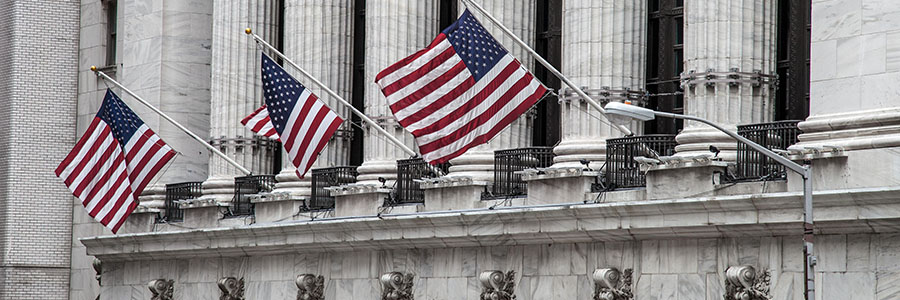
[(262, 123), (251, 116), (429, 88), (93, 172), (101, 137), (271, 133), (487, 115), (128, 212), (116, 205), (142, 162), (304, 112), (437, 105), (317, 121), (522, 108), (403, 62), (104, 181), (141, 140), (84, 138), (322, 142), (119, 182), (162, 162), (420, 72), (471, 104)]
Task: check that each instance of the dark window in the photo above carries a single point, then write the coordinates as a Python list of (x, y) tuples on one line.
[(111, 24), (792, 95), (548, 43), (665, 62), (449, 12), (359, 80)]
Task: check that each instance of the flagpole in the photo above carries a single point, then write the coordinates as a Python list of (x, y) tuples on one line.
[(193, 135), (549, 67)]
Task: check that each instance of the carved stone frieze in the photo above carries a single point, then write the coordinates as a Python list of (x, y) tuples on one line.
[(232, 288), (397, 286), (161, 289), (611, 284), (745, 283), (310, 287), (498, 286)]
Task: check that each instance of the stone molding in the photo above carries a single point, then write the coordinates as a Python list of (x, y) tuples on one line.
[(358, 188), (161, 289), (858, 130), (745, 283), (611, 284), (496, 285), (839, 211), (232, 288), (450, 181), (557, 172), (310, 287), (397, 286)]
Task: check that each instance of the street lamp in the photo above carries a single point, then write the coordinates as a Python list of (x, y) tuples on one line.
[(622, 111)]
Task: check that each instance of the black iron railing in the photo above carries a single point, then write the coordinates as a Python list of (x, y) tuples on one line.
[(621, 169), (408, 171), (507, 162), (328, 177), (176, 192), (752, 165), (246, 186)]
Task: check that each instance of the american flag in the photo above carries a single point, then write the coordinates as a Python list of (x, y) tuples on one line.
[(113, 162), (304, 123), (260, 123), (459, 92)]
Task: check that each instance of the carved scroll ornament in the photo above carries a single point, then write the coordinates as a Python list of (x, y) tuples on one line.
[(397, 286), (161, 289), (745, 283), (310, 287), (610, 284), (498, 286), (232, 288)]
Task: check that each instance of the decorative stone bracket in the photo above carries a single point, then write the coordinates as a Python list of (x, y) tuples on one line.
[(98, 269), (310, 287), (232, 288), (397, 286), (161, 289), (745, 283), (610, 284), (498, 286)]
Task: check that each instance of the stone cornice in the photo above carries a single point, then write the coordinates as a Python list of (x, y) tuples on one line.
[(840, 211)]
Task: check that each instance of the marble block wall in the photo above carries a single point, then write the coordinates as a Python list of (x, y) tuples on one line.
[(864, 266)]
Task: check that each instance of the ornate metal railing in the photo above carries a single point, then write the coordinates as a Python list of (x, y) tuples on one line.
[(246, 186), (176, 192), (752, 165), (328, 177), (621, 169), (507, 162), (408, 171)]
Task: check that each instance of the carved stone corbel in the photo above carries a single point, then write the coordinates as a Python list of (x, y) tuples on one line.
[(397, 286), (745, 283), (310, 287), (161, 289), (610, 284), (498, 286), (232, 288), (98, 268)]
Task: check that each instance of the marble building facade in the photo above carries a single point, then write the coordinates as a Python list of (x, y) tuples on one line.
[(674, 239)]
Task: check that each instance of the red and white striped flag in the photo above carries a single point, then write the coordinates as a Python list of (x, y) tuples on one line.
[(303, 122), (459, 92), (260, 123), (113, 162)]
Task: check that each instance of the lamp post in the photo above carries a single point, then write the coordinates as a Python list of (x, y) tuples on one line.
[(621, 110)]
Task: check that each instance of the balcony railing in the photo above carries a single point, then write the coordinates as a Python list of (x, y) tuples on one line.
[(752, 165), (621, 169), (408, 171), (507, 162), (246, 186), (178, 192), (328, 177)]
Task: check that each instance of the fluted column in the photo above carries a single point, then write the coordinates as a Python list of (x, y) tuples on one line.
[(604, 48), (319, 38), (518, 16), (236, 91), (394, 29), (726, 36)]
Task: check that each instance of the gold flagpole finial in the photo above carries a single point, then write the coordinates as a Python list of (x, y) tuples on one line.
[(248, 30), (94, 68)]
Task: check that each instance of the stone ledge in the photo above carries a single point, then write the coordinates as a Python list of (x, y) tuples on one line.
[(199, 203), (355, 189), (554, 173), (838, 211), (450, 181)]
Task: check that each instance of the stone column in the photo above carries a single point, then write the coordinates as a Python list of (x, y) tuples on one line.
[(394, 29), (604, 51), (319, 38), (236, 91), (724, 36), (518, 16)]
